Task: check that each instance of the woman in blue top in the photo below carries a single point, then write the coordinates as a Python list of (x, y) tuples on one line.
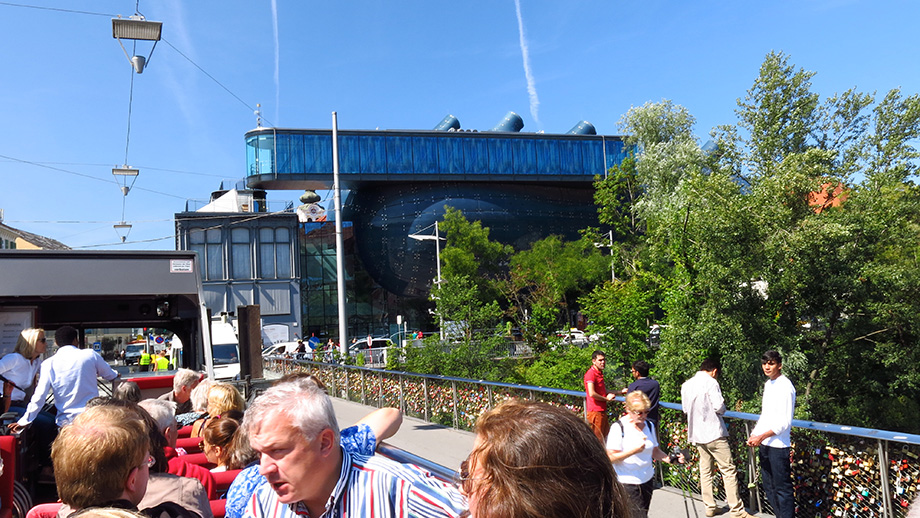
[(361, 439)]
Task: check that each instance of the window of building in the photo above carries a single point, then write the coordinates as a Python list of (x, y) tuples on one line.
[(240, 253), (208, 244), (275, 253)]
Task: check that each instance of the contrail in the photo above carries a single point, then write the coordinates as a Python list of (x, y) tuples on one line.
[(277, 60), (525, 54)]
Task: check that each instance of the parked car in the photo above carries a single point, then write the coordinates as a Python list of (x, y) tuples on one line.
[(573, 336), (133, 353), (376, 343)]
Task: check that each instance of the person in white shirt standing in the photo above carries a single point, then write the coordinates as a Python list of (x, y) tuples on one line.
[(771, 436), (71, 375), (702, 401)]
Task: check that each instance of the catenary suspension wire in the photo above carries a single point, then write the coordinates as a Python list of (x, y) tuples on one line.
[(212, 78), (130, 107)]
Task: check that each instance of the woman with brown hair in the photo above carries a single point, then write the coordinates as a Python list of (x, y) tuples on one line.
[(535, 460), (217, 436)]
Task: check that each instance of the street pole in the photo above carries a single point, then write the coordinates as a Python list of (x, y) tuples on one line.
[(339, 238)]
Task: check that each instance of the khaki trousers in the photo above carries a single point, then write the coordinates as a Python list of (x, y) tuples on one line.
[(718, 452)]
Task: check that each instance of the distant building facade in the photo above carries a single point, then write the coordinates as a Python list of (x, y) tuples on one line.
[(247, 256), (13, 238), (523, 186)]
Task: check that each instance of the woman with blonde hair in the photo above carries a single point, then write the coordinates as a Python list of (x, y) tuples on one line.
[(222, 397), (632, 446), (19, 368), (535, 460)]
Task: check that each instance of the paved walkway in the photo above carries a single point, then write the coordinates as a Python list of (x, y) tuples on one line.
[(448, 447)]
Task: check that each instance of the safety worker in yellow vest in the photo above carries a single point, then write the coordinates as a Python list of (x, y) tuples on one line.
[(161, 363), (144, 362)]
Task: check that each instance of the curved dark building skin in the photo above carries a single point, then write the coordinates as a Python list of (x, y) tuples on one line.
[(523, 186)]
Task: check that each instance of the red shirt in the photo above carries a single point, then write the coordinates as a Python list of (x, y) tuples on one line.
[(597, 377)]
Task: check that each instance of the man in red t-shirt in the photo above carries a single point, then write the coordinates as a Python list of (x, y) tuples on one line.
[(597, 396)]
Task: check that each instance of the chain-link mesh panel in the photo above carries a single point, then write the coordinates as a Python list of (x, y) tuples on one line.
[(834, 475)]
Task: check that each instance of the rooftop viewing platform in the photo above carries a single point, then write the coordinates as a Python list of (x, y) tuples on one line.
[(279, 158)]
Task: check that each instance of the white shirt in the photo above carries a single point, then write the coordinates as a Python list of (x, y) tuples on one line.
[(16, 368), (71, 375), (702, 401), (776, 412), (638, 468)]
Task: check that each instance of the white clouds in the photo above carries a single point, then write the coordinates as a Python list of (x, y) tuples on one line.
[(528, 72)]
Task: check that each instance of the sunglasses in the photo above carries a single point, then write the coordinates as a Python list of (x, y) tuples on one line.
[(464, 478), (639, 412)]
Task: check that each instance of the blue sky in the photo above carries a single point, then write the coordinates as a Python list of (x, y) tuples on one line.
[(387, 65)]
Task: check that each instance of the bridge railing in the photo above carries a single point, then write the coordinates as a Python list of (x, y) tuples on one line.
[(839, 471)]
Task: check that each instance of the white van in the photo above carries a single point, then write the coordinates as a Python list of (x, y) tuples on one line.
[(225, 348)]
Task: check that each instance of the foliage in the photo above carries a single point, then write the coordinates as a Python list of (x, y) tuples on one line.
[(546, 279), (798, 234), (621, 314), (563, 367), (474, 359), (799, 231)]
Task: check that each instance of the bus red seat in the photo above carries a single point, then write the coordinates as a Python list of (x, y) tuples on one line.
[(8, 445), (219, 508), (44, 510), (152, 386), (189, 444), (223, 479)]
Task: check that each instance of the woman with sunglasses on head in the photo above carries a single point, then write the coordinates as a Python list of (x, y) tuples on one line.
[(20, 367), (535, 460), (632, 446)]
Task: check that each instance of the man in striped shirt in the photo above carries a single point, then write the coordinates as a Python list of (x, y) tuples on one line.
[(293, 426)]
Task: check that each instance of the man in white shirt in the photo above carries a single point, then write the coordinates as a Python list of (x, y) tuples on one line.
[(771, 436), (702, 401), (71, 375)]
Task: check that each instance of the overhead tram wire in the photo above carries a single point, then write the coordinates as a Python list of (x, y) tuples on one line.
[(139, 166), (212, 78), (39, 164), (72, 11), (256, 217), (164, 40)]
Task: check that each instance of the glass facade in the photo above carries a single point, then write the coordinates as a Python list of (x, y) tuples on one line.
[(523, 186), (301, 154)]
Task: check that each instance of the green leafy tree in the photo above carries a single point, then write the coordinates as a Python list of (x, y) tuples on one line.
[(545, 281), (798, 234)]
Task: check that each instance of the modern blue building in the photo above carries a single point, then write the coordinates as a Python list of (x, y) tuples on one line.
[(523, 186)]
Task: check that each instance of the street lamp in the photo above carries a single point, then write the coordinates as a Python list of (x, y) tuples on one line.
[(136, 27), (437, 254), (613, 275)]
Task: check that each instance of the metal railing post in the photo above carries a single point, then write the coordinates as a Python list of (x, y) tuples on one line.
[(752, 472), (402, 397), (489, 392), (453, 396), (380, 402), (425, 398), (334, 389), (884, 479), (363, 393)]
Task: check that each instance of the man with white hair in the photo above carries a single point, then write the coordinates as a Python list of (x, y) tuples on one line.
[(163, 412), (183, 382), (293, 426)]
